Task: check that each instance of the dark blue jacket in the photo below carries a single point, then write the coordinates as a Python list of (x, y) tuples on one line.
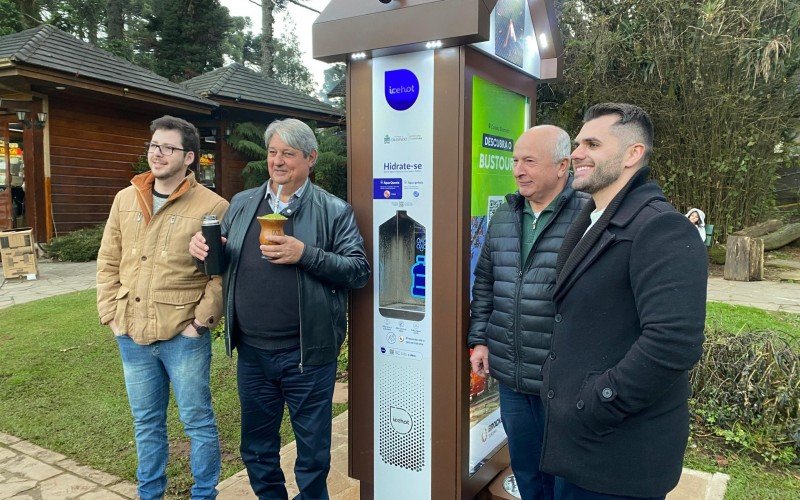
[(333, 262), (630, 311), (512, 311)]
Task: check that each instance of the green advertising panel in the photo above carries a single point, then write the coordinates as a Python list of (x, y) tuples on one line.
[(499, 116)]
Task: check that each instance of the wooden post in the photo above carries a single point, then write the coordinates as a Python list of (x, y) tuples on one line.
[(744, 259)]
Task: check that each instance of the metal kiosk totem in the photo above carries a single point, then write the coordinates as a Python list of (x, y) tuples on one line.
[(437, 93)]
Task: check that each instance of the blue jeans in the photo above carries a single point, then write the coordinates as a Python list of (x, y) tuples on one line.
[(267, 380), (149, 369), (523, 420)]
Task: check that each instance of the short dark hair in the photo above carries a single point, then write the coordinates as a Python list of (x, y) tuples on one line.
[(632, 117), (190, 137)]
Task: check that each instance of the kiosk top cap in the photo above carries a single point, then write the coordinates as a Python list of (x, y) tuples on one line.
[(352, 26)]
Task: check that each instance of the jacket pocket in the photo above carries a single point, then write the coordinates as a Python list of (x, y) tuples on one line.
[(498, 327), (177, 230), (121, 312), (588, 404), (173, 310)]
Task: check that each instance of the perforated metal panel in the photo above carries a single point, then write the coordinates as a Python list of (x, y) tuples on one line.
[(402, 417)]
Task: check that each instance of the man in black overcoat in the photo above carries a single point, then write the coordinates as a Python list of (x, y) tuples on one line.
[(511, 314), (630, 300)]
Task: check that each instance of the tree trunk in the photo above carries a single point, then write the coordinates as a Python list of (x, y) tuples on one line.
[(30, 13), (91, 27), (267, 47), (760, 229), (782, 237), (744, 259), (115, 20)]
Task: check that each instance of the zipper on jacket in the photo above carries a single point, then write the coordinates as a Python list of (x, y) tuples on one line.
[(520, 273), (556, 212), (300, 316), (234, 249), (518, 290)]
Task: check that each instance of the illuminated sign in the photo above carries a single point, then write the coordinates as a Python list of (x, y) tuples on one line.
[(401, 89)]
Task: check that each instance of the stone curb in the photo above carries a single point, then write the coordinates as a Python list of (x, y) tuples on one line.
[(698, 485), (30, 472)]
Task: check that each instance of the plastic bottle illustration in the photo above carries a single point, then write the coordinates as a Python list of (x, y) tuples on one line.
[(401, 273), (418, 278)]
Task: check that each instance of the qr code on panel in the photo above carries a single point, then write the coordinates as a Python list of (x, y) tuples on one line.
[(494, 204)]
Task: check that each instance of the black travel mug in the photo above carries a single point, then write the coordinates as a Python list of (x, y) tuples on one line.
[(212, 234)]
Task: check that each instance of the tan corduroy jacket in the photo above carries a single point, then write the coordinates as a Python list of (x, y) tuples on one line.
[(146, 279)]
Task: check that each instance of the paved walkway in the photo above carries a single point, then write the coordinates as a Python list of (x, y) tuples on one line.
[(340, 486), (55, 278), (769, 295), (28, 472)]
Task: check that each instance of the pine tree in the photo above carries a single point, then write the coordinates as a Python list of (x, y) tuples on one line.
[(287, 64), (189, 37), (334, 74), (11, 20)]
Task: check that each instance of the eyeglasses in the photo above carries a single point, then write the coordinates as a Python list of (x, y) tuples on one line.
[(163, 150)]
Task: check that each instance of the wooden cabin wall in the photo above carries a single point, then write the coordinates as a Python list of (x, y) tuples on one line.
[(230, 166), (93, 147)]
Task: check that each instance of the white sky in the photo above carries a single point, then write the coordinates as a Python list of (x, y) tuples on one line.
[(303, 19)]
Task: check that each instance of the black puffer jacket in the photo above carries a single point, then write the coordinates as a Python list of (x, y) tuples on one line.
[(512, 310), (333, 262)]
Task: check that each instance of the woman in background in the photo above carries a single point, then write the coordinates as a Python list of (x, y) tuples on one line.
[(698, 218)]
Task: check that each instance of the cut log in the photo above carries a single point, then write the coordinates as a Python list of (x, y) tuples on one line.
[(782, 237), (760, 229), (744, 259)]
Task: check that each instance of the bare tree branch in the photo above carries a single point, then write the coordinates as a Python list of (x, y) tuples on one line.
[(254, 2)]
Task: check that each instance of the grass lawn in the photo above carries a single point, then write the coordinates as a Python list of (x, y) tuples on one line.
[(61, 387), (737, 319), (749, 480)]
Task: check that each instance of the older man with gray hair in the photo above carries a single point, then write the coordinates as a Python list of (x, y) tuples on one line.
[(285, 309), (512, 314)]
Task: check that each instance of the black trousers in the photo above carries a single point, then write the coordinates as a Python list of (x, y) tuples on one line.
[(568, 491), (267, 380)]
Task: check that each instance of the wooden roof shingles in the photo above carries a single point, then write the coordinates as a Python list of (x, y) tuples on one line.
[(48, 47), (239, 83)]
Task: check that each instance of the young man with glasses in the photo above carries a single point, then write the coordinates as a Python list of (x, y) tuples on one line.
[(160, 307)]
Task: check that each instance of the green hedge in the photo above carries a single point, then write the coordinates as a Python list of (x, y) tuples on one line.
[(78, 246)]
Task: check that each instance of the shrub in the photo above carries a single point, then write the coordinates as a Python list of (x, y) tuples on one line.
[(717, 254), (140, 166), (719, 79), (343, 361), (747, 392), (78, 246), (330, 170)]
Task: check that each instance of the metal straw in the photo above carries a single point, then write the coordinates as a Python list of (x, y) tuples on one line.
[(277, 199)]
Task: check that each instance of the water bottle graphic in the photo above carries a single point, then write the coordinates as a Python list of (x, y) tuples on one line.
[(401, 270), (418, 278)]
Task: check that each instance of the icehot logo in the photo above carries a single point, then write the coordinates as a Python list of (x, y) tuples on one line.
[(401, 89)]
